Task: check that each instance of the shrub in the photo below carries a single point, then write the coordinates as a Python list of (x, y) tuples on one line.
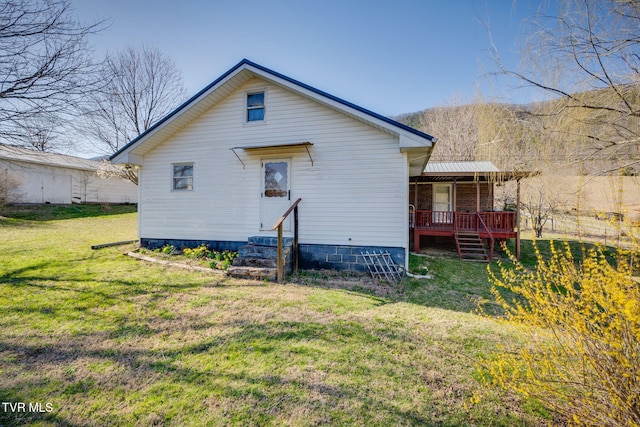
[(581, 323), (9, 185), (197, 253), (168, 249), (222, 260), (219, 260)]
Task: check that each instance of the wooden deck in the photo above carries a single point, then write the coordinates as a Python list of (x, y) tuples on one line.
[(496, 225)]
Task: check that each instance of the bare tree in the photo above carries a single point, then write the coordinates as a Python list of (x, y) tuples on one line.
[(43, 133), (501, 133), (540, 204), (140, 86), (457, 130), (587, 58), (45, 68), (127, 172), (9, 185)]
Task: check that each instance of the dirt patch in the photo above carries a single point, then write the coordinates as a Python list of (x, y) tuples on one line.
[(434, 251), (360, 282)]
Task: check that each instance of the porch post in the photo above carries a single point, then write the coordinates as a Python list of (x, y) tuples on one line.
[(280, 262), (518, 219), (492, 193), (416, 236), (478, 195), (455, 195), (296, 254)]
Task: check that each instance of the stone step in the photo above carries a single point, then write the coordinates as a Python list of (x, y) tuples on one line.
[(258, 273), (258, 258), (255, 262), (260, 251), (269, 241)]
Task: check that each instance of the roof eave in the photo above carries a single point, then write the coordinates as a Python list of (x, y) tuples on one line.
[(117, 156), (369, 116), (342, 104), (498, 176)]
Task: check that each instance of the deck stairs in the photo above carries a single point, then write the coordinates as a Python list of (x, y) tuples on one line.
[(470, 247), (258, 258)]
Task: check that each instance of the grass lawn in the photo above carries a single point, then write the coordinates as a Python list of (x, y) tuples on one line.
[(98, 338)]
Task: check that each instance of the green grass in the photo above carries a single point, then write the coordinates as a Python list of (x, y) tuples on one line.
[(55, 212), (456, 285), (109, 340)]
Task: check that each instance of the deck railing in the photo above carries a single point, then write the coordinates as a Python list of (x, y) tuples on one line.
[(464, 221), (488, 231)]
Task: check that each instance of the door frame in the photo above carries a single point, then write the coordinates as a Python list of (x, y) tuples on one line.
[(437, 216), (286, 225)]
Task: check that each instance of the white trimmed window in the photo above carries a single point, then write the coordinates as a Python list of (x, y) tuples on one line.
[(255, 106), (182, 176)]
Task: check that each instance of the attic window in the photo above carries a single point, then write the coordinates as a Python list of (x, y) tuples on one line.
[(255, 107)]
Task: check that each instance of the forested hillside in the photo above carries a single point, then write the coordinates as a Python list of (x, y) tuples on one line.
[(560, 133)]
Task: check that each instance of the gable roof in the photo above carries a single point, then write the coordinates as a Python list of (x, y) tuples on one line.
[(410, 139), (14, 153)]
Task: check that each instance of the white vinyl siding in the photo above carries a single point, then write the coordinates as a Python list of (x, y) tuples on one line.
[(354, 194)]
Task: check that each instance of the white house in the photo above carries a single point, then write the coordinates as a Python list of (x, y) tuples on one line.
[(225, 165), (41, 177)]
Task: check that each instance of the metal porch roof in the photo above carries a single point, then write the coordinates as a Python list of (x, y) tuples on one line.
[(469, 171)]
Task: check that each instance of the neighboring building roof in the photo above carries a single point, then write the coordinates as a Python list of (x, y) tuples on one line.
[(411, 140), (481, 170), (454, 168), (19, 154)]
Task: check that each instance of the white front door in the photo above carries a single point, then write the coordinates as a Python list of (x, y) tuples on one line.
[(442, 203), (276, 192)]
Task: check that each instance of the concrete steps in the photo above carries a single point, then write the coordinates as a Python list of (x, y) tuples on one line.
[(258, 258)]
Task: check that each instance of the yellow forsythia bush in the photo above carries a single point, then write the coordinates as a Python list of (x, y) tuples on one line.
[(580, 354)]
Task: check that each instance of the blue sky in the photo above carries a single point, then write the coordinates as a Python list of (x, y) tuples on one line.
[(388, 56)]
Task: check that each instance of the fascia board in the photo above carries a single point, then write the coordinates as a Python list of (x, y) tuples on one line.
[(409, 143), (134, 159), (177, 114), (337, 104), (409, 139)]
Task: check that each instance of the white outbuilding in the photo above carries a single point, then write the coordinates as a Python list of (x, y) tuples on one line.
[(32, 176)]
